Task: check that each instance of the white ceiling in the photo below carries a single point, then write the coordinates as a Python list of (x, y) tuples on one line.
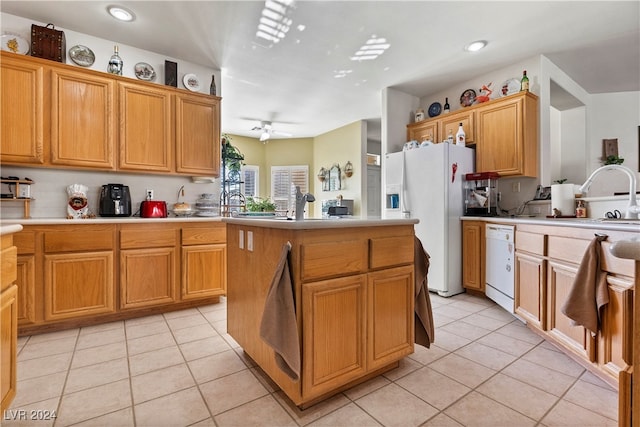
[(293, 83)]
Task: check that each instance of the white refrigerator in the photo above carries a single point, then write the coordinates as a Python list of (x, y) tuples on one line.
[(427, 183)]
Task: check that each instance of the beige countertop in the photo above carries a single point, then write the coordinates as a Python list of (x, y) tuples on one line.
[(592, 223), (10, 229), (107, 220), (319, 223)]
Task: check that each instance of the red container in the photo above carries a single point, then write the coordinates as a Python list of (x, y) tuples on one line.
[(153, 209)]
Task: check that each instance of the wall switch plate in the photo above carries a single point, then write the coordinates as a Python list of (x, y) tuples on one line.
[(250, 241), (515, 187)]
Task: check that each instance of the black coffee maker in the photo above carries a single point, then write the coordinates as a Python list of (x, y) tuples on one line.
[(115, 200)]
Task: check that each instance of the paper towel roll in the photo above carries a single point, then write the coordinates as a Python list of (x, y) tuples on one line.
[(562, 198)]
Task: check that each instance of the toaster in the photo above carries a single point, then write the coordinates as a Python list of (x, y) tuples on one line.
[(153, 209)]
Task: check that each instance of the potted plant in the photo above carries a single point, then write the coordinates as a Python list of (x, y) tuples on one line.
[(257, 204), (231, 155), (613, 160)]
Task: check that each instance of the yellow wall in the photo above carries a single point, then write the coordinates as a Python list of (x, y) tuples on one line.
[(347, 143), (339, 146), (277, 152)]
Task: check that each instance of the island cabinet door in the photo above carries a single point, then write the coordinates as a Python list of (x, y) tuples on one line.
[(334, 327), (390, 316)]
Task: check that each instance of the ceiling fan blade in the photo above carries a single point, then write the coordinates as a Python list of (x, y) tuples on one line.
[(277, 132), (256, 128)]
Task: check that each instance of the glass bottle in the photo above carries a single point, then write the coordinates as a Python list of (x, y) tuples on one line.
[(524, 82), (446, 105), (450, 139), (115, 63), (212, 88), (461, 136)]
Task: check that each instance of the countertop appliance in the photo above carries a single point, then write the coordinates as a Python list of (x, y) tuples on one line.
[(427, 183), (153, 209), (115, 200), (481, 194), (500, 271)]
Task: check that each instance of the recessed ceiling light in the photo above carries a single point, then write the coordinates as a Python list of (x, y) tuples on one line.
[(475, 46), (120, 13)]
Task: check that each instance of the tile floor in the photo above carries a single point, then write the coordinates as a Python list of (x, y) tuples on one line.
[(181, 368)]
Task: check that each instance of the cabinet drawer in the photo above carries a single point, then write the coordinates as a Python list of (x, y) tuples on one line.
[(147, 238), (330, 259), (204, 236), (390, 251), (530, 242), (78, 240), (567, 249)]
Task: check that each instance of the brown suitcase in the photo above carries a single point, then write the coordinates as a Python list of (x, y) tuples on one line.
[(48, 43)]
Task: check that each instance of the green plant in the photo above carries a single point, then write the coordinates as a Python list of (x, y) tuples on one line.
[(613, 160), (257, 204), (560, 181), (230, 154)]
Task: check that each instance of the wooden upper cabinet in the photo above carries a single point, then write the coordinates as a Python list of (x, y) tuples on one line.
[(21, 114), (82, 119), (422, 131), (507, 135), (146, 130), (451, 123), (197, 134)]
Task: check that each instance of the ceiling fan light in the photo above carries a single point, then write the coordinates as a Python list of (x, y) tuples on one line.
[(265, 136)]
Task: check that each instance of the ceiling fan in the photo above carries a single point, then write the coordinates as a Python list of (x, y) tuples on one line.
[(267, 130)]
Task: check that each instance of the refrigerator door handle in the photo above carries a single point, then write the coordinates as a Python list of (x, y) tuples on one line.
[(404, 202)]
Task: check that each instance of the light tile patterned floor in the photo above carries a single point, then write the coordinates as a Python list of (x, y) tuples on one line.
[(182, 368)]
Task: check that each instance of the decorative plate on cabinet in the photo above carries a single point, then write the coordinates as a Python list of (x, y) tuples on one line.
[(191, 82), (509, 87), (435, 109), (467, 98), (14, 43), (82, 55), (144, 71)]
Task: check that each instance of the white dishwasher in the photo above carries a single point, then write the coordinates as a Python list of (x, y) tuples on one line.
[(499, 272)]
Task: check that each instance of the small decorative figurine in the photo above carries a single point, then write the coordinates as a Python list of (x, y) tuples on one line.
[(78, 205), (485, 92)]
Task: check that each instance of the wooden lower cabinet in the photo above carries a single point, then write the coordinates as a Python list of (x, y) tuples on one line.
[(204, 261), (530, 289), (147, 277), (26, 282), (8, 319), (82, 274), (334, 322), (473, 255), (8, 347), (78, 284), (390, 308), (574, 338)]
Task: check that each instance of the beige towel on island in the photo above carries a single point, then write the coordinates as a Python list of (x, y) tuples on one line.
[(589, 292), (424, 330), (278, 327)]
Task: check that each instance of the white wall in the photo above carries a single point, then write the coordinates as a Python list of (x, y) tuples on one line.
[(573, 147), (103, 49)]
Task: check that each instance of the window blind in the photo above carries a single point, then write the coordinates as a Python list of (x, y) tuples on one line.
[(284, 180)]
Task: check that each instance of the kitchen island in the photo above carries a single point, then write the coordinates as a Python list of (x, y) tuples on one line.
[(353, 293)]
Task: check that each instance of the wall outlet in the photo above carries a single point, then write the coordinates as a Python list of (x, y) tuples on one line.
[(499, 196), (515, 187), (149, 194), (536, 210)]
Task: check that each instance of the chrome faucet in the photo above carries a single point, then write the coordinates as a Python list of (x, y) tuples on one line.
[(301, 200), (633, 210)]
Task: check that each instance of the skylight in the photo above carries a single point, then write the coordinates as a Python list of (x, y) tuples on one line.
[(371, 49), (275, 21)]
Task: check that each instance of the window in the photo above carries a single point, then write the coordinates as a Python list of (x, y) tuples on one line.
[(251, 179), (284, 180)]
